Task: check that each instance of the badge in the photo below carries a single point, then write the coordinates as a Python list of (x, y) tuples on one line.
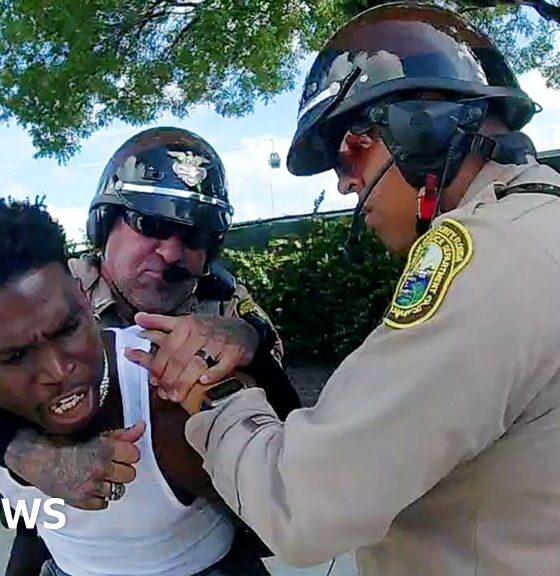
[(434, 261), (248, 306), (188, 167)]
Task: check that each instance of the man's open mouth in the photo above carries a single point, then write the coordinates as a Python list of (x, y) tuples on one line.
[(67, 403), (73, 407)]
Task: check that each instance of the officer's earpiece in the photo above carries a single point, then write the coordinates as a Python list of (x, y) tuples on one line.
[(419, 133), (425, 128), (99, 223), (92, 227), (428, 141), (214, 247)]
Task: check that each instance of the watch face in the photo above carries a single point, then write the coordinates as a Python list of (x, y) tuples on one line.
[(220, 392)]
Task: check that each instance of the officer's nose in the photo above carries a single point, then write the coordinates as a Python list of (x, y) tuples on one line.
[(349, 184), (350, 163), (171, 250), (55, 365)]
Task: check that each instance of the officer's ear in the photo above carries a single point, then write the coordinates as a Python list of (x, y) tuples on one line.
[(357, 142), (493, 126), (80, 292)]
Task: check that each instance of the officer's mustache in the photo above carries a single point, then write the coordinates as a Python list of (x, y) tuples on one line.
[(174, 274)]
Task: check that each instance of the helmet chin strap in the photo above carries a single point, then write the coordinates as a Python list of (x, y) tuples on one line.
[(429, 201), (351, 251), (510, 148), (429, 197)]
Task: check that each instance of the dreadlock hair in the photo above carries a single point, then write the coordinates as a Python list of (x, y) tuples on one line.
[(29, 238)]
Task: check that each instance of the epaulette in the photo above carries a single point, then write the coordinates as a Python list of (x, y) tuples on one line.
[(536, 188)]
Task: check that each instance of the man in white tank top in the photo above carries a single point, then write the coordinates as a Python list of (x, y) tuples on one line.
[(157, 242), (58, 373)]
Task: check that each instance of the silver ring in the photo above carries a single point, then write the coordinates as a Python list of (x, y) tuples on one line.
[(208, 358), (116, 491)]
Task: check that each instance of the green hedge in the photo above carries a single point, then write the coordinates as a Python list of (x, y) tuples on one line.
[(322, 306)]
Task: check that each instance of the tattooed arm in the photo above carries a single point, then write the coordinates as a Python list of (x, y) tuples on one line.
[(77, 473), (175, 367), (231, 342)]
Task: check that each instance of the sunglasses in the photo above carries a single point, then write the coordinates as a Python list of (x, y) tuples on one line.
[(161, 229)]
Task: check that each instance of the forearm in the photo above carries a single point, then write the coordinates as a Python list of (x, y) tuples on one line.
[(259, 474), (6, 437), (80, 473), (24, 458), (55, 466), (271, 377)]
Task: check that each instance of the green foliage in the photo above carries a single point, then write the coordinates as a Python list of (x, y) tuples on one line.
[(322, 306), (527, 40), (68, 67), (76, 249)]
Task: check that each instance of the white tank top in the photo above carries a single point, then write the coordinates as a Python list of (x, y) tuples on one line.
[(148, 531)]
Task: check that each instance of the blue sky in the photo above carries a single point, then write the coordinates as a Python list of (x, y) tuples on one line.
[(244, 144)]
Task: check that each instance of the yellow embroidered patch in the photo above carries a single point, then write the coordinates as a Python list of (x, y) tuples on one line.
[(247, 306), (434, 261)]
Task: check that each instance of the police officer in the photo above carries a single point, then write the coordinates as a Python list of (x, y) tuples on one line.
[(158, 218), (435, 447)]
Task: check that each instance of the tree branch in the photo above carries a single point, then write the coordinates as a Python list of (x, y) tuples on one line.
[(146, 19), (181, 35)]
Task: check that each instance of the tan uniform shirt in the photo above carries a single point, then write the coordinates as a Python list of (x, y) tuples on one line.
[(434, 449)]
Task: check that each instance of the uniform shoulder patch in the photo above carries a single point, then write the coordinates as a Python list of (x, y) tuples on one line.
[(434, 261), (249, 306)]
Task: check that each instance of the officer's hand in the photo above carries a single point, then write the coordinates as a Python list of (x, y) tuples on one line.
[(81, 473), (175, 366)]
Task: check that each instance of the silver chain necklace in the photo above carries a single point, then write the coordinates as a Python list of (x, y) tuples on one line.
[(104, 386)]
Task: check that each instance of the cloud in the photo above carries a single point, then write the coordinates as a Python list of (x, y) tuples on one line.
[(247, 211), (544, 129), (73, 220), (534, 84), (274, 192), (16, 190)]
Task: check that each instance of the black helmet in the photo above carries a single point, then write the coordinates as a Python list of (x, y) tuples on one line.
[(166, 172), (392, 50)]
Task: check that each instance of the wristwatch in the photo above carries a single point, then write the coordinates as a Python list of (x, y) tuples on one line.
[(220, 392), (206, 397)]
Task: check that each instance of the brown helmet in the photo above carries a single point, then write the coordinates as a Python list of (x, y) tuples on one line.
[(391, 50)]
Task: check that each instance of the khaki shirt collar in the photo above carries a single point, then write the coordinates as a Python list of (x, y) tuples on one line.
[(495, 177)]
